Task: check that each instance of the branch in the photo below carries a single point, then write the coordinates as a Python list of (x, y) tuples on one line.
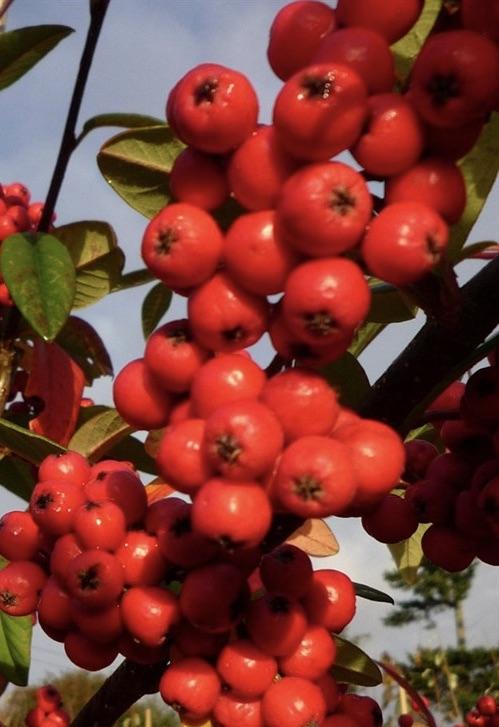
[(437, 349), (98, 10), (119, 692)]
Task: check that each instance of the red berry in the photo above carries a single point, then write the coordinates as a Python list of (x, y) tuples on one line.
[(481, 17), (391, 520), (246, 669), (148, 613), (179, 543), (487, 705), (181, 458), (48, 698), (121, 486), (287, 571), (68, 467), (364, 710), (330, 601), (95, 578), (103, 626), (276, 624), (99, 525), (447, 549), (405, 720), (20, 585), (54, 606), (191, 686), (231, 709), (141, 559), (88, 654), (313, 656), (293, 702), (20, 536), (182, 245), (16, 193), (53, 505), (198, 179), (66, 548), (141, 402), (392, 20)]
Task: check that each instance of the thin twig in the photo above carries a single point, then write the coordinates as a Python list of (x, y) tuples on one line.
[(68, 141)]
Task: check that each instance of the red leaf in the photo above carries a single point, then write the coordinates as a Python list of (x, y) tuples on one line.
[(58, 381)]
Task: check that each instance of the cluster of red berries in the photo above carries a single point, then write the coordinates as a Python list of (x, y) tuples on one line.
[(108, 573), (17, 214), (484, 714), (458, 491), (49, 710), (244, 446), (302, 211)]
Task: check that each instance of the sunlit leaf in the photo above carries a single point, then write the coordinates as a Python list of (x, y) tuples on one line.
[(316, 538), (354, 666), (28, 445), (98, 279), (15, 647), (364, 336), (136, 164), (87, 240), (22, 48), (158, 490), (154, 307), (406, 50), (17, 476), (99, 434), (408, 555), (123, 120), (40, 276)]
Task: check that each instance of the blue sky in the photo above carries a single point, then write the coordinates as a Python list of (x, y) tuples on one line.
[(144, 48)]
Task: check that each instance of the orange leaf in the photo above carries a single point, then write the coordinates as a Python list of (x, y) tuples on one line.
[(315, 538), (157, 490), (58, 381)]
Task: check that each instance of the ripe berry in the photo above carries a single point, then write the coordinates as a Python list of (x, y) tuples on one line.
[(20, 536), (286, 570), (225, 378), (141, 402), (103, 626), (191, 686), (481, 17), (181, 458), (95, 578), (69, 466), (330, 601), (447, 549), (231, 709), (255, 254), (246, 669), (391, 20), (419, 454), (141, 559), (487, 705), (258, 168), (179, 543), (214, 597), (236, 514), (66, 549), (313, 656), (452, 143), (87, 654), (325, 300), (224, 317), (295, 34), (392, 140), (323, 209), (198, 179), (320, 111), (480, 402), (365, 710), (405, 720), (243, 439), (293, 702), (53, 505), (434, 182), (364, 50), (99, 525), (133, 650), (121, 486), (48, 698), (20, 585), (455, 78), (148, 613), (173, 357), (315, 477), (54, 606), (391, 520), (182, 245), (276, 624), (214, 108)]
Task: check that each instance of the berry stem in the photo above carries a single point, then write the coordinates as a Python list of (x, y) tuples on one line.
[(98, 10)]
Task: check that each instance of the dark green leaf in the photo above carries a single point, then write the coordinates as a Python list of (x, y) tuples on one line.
[(154, 307), (29, 446), (406, 50), (133, 280), (364, 336), (40, 276), (354, 666), (15, 647), (131, 449), (372, 594), (17, 476), (123, 120), (408, 555), (479, 172), (96, 280), (348, 378), (87, 241), (99, 434), (137, 163), (389, 305), (21, 49), (82, 342)]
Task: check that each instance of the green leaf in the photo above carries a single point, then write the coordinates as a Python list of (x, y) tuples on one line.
[(372, 594), (406, 50), (408, 555), (82, 342), (131, 449), (389, 305), (99, 434), (40, 276), (21, 49), (87, 241), (15, 647), (479, 172), (354, 666), (124, 120), (31, 447), (98, 279), (17, 476), (133, 280), (154, 307), (136, 163), (348, 378), (364, 336)]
